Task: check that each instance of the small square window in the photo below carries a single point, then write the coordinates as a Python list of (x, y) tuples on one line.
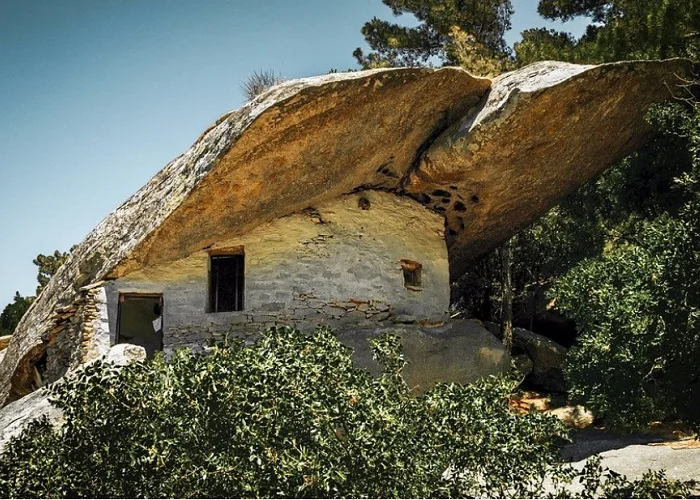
[(226, 282), (412, 271)]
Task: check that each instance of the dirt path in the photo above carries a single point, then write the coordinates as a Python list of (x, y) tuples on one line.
[(666, 446), (634, 454)]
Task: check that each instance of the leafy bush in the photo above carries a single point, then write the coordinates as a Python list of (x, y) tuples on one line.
[(287, 417), (638, 306), (597, 481), (593, 219)]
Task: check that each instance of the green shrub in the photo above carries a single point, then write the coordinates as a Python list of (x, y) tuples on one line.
[(638, 357), (600, 482), (287, 417)]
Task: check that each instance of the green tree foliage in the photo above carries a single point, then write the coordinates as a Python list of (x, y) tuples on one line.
[(13, 312), (567, 9), (287, 417), (563, 237), (542, 44), (617, 233), (48, 265), (638, 305), (448, 30), (619, 29), (466, 51)]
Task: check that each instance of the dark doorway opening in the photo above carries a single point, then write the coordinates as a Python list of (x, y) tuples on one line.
[(140, 321)]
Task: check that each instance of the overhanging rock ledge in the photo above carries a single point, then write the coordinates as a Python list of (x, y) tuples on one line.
[(489, 156)]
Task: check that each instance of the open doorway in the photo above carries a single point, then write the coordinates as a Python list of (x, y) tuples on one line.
[(140, 321)]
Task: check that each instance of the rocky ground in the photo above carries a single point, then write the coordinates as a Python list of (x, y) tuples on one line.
[(668, 447), (634, 454), (664, 446)]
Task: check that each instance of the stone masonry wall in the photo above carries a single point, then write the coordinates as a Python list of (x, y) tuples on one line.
[(96, 340), (85, 322), (338, 264), (79, 333)]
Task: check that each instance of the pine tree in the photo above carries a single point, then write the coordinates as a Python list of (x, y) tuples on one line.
[(13, 312), (434, 40), (619, 29)]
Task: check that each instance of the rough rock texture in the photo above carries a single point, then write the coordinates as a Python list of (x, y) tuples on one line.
[(522, 366), (575, 416), (461, 351), (301, 143), (5, 341), (123, 354), (96, 338), (547, 359), (15, 417), (542, 132), (633, 460), (69, 341), (546, 355), (505, 158)]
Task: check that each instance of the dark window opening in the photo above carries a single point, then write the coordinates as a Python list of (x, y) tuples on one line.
[(140, 321), (226, 283), (411, 274)]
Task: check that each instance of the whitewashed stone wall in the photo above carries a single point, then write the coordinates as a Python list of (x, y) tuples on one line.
[(336, 264)]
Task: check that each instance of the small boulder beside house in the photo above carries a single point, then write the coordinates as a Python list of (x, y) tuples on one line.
[(460, 351), (539, 359)]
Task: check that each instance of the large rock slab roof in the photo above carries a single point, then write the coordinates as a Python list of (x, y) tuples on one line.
[(542, 132), (489, 155)]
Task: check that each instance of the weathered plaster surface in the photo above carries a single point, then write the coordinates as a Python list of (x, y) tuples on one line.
[(335, 264)]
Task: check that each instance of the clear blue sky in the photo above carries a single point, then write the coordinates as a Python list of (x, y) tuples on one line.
[(96, 96)]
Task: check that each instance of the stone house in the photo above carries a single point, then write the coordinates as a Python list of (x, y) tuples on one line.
[(363, 259), (348, 200)]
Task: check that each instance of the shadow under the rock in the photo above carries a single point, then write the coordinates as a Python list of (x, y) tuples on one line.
[(588, 442)]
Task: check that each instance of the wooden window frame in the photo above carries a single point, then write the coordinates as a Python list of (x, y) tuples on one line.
[(213, 285), (412, 274)]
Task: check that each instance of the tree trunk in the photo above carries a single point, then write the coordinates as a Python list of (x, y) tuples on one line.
[(507, 294)]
